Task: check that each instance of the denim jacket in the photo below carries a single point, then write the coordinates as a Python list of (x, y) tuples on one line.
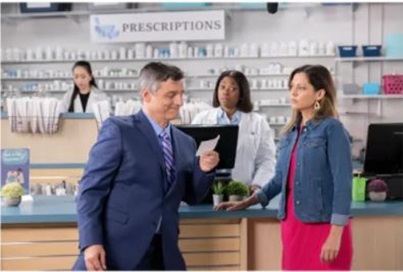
[(323, 173)]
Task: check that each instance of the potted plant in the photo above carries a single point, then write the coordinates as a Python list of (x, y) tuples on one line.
[(218, 192), (236, 190), (377, 189), (11, 193)]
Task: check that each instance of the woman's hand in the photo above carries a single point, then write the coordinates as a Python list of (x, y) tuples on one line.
[(237, 205), (331, 247), (231, 206)]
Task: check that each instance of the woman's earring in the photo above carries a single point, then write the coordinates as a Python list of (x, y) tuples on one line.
[(316, 106)]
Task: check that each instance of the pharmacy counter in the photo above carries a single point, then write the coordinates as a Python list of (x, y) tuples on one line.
[(42, 235)]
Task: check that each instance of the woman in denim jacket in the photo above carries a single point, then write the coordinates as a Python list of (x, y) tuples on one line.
[(313, 175)]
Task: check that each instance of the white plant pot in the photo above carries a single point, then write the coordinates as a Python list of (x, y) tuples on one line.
[(12, 201), (217, 199), (235, 198), (377, 196)]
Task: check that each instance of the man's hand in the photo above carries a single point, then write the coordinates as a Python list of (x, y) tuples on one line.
[(208, 161), (95, 258)]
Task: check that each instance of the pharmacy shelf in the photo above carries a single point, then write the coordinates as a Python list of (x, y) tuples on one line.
[(253, 90), (274, 105), (165, 59), (136, 90), (62, 78), (123, 77), (379, 96), (363, 59)]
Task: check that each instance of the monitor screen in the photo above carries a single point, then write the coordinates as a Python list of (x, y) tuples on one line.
[(226, 145), (384, 152)]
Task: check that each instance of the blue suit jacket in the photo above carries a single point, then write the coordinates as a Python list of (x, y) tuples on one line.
[(123, 192)]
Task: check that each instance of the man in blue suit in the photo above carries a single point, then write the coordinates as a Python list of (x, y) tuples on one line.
[(138, 172)]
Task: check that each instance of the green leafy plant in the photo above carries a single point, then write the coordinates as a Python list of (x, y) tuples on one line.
[(12, 190), (237, 188), (218, 188)]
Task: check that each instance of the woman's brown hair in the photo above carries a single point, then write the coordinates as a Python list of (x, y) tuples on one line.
[(321, 79)]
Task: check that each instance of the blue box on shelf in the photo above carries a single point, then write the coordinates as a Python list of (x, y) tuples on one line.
[(371, 50), (44, 7), (347, 51), (371, 88)]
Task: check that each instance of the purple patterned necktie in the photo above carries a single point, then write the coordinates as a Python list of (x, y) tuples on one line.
[(168, 156)]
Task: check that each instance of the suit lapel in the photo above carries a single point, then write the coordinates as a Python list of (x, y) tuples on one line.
[(146, 128)]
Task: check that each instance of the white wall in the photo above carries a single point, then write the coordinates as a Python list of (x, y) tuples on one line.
[(368, 24)]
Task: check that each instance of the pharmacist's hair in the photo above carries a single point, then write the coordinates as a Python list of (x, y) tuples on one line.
[(87, 66), (321, 79), (155, 73), (244, 103)]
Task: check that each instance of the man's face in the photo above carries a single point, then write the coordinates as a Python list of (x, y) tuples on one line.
[(164, 104)]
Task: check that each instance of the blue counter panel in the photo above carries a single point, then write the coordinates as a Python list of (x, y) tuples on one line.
[(62, 209)]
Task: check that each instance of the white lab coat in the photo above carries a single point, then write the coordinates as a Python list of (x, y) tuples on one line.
[(256, 151), (95, 96)]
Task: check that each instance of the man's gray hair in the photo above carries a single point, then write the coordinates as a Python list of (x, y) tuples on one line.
[(156, 72)]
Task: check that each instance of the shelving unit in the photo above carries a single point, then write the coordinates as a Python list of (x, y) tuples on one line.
[(6, 62), (356, 98), (364, 59), (207, 71), (378, 96)]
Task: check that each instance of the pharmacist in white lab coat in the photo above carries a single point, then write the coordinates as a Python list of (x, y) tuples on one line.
[(256, 150), (85, 92)]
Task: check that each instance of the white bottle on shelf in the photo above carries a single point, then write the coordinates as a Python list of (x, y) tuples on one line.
[(140, 49), (303, 48), (330, 48), (210, 50), (254, 50), (59, 53), (182, 50), (38, 54), (49, 53), (274, 50), (283, 49), (149, 52), (321, 49), (218, 50), (313, 49), (122, 53), (292, 48), (265, 51), (244, 50), (173, 50), (190, 52)]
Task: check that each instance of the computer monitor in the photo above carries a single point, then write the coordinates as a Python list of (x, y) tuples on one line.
[(226, 145), (384, 151)]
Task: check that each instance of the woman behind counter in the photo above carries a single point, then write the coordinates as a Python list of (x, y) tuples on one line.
[(313, 175), (85, 92), (255, 155)]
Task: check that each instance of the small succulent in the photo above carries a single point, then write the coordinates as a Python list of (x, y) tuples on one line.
[(377, 185), (218, 188), (12, 190), (237, 188)]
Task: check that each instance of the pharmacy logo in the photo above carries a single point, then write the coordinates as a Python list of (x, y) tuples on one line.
[(105, 31)]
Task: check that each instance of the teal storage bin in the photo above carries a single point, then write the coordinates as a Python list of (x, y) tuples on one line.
[(179, 5), (394, 45), (371, 88), (252, 5)]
